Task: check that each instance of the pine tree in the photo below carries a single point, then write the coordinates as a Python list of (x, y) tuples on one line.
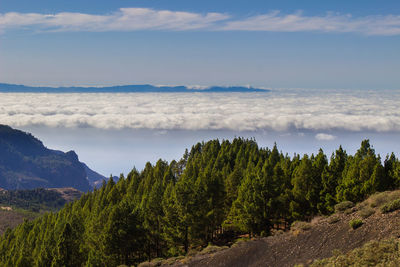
[(67, 250), (124, 235)]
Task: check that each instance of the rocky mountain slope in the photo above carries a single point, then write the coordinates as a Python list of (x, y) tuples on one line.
[(25, 163)]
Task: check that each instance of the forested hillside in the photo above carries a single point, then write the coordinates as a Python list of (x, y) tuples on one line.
[(38, 199), (215, 192), (18, 205), (33, 200)]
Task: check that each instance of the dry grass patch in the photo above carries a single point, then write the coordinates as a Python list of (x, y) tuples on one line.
[(155, 262), (343, 206), (173, 260), (210, 249), (382, 198), (146, 264), (317, 220), (240, 241), (193, 251), (333, 219), (277, 232), (366, 211), (298, 225), (374, 253), (391, 206), (350, 211)]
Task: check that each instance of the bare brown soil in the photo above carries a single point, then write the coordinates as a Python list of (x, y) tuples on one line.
[(303, 246), (68, 193), (10, 219)]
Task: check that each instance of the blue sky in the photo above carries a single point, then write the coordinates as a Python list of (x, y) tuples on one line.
[(278, 44), (274, 44)]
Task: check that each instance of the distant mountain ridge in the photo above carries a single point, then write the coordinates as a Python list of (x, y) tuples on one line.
[(25, 163), (95, 179), (144, 88)]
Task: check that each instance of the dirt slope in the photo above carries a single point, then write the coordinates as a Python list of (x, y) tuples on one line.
[(11, 218), (68, 193), (302, 247)]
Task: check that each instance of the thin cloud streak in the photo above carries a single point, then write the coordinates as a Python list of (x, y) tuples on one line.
[(277, 22), (125, 19), (136, 19), (319, 111)]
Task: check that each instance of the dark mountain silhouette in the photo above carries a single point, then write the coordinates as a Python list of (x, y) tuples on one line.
[(25, 163), (144, 88)]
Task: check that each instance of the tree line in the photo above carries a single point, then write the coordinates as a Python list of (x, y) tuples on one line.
[(217, 190)]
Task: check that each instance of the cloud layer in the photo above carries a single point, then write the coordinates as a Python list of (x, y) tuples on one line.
[(316, 110), (133, 19)]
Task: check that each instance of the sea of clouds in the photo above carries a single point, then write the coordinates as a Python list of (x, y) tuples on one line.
[(278, 110)]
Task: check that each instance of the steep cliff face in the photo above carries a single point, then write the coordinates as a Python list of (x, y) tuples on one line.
[(26, 163)]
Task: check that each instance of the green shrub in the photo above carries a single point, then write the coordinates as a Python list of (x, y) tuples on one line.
[(342, 206), (366, 212), (392, 206), (356, 223)]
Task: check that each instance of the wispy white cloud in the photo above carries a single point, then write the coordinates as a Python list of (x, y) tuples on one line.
[(324, 137), (132, 19), (125, 19), (318, 110), (277, 22)]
